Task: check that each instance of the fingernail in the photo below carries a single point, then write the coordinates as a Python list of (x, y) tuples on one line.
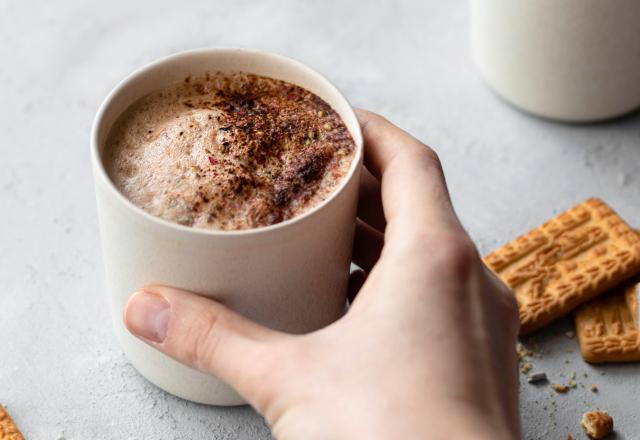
[(147, 316)]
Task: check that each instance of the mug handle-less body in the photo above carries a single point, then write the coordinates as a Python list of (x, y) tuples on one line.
[(291, 276)]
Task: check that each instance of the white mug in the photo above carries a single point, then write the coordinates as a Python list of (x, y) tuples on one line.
[(570, 60), (291, 276)]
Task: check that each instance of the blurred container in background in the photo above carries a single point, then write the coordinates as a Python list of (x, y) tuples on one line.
[(570, 60)]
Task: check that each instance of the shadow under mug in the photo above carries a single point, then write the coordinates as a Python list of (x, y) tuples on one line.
[(291, 276)]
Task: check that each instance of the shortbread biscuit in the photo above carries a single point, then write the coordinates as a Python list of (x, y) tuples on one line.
[(567, 261), (8, 429), (597, 424), (607, 327)]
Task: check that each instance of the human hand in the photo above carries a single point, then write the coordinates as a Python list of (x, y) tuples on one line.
[(426, 350)]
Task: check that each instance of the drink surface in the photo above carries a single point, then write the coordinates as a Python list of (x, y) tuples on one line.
[(228, 151)]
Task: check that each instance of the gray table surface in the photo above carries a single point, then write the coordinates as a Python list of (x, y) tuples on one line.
[(60, 367)]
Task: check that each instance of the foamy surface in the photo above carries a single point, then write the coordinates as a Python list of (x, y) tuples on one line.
[(228, 151)]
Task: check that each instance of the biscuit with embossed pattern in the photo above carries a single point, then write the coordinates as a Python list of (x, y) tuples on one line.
[(607, 327), (567, 261), (8, 429)]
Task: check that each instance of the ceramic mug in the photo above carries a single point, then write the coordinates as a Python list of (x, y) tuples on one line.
[(291, 276), (571, 60)]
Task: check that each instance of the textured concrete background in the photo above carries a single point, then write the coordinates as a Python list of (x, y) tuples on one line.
[(60, 367)]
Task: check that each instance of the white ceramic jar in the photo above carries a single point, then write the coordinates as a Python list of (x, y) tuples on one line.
[(291, 276), (571, 60)]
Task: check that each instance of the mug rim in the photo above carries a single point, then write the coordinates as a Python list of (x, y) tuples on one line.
[(100, 171)]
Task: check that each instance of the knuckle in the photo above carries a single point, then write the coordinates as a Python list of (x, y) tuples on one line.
[(422, 154), (449, 254), (375, 119), (431, 157), (511, 314), (510, 303), (455, 254), (507, 304), (203, 339), (368, 120)]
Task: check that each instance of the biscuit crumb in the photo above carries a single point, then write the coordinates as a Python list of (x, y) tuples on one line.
[(597, 424), (570, 437), (594, 388), (537, 377), (524, 356), (522, 351), (559, 388), (525, 352)]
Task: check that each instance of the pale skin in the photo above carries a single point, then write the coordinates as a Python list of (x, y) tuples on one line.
[(426, 350)]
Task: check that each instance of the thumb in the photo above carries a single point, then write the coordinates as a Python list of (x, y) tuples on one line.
[(205, 335)]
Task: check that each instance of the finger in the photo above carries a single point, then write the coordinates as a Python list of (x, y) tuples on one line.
[(413, 185), (203, 334), (356, 280), (367, 245), (370, 201)]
